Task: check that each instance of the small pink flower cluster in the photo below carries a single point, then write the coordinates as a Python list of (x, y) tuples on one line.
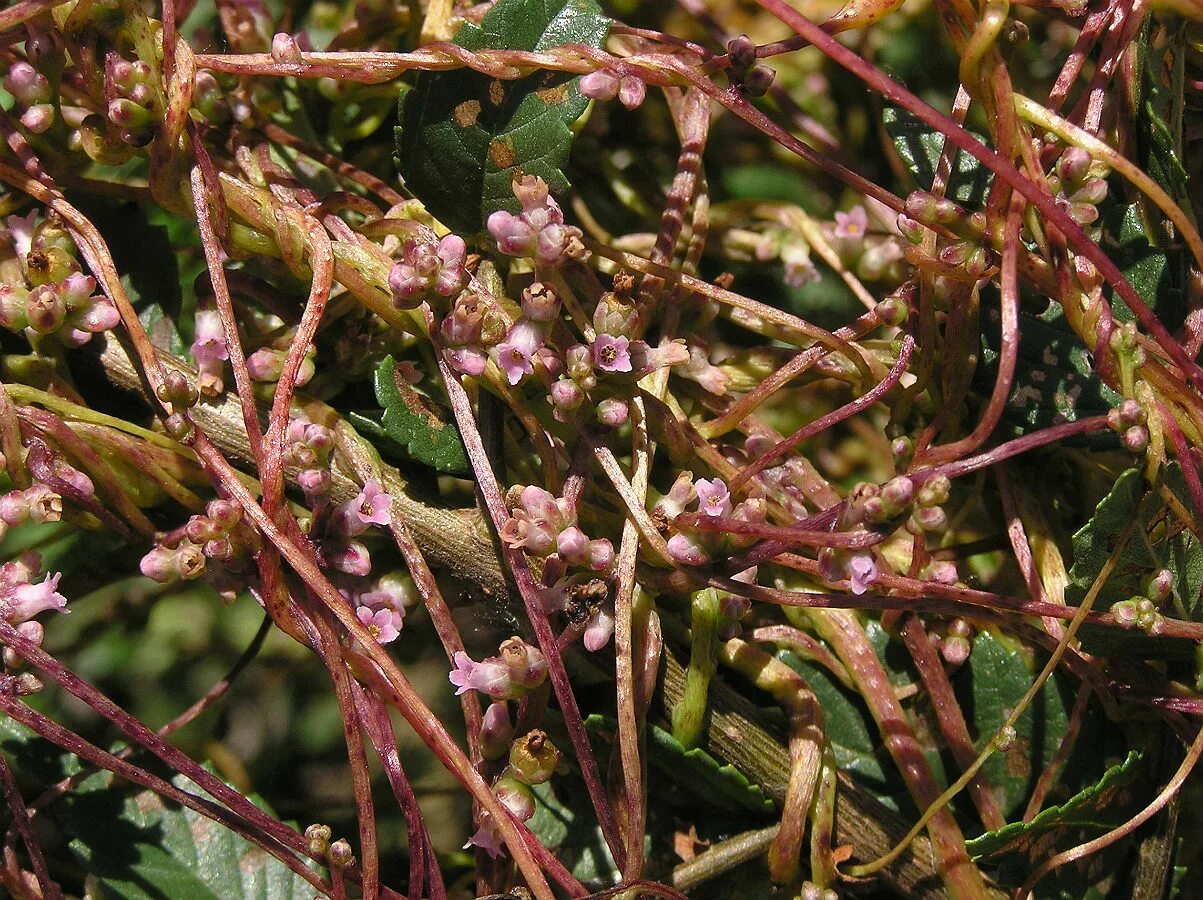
[(603, 84), (381, 604), (695, 547), (428, 270), (136, 104), (543, 525), (38, 503), (307, 446), (31, 89), (218, 545), (462, 330), (538, 232), (338, 549), (518, 668), (49, 295)]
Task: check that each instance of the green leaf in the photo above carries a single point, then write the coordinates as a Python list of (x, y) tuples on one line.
[(1149, 268), (1160, 541), (142, 847), (989, 687), (571, 834), (1054, 378), (409, 426), (463, 137), (920, 149), (719, 784), (1093, 810), (161, 330)]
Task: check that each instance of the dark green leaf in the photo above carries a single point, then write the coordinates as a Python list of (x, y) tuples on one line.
[(920, 149), (464, 137), (1095, 809), (1054, 379), (412, 427), (720, 784), (1148, 267), (161, 330), (144, 848), (571, 833), (991, 684)]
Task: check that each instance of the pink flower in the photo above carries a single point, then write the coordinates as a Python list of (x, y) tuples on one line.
[(27, 600), (20, 232), (384, 623), (350, 557), (713, 497), (371, 506), (209, 341), (685, 549), (851, 224), (426, 267), (486, 838), (862, 571), (490, 676), (516, 353), (598, 631), (599, 85), (612, 354), (539, 231)]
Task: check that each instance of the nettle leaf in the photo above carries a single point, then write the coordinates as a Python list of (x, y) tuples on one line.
[(1055, 379), (1150, 269), (920, 148), (411, 426), (142, 847), (463, 137), (571, 833), (1018, 847), (989, 687), (720, 784), (1094, 808), (1159, 541)]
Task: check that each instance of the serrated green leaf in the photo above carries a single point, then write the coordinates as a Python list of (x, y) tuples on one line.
[(463, 137), (415, 431), (1093, 809), (571, 834), (718, 783), (1168, 544), (989, 686), (141, 847), (920, 149), (1054, 378), (1145, 265)]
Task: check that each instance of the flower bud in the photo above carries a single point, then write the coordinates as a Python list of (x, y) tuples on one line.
[(1157, 586), (1073, 165), (742, 51), (496, 731), (515, 796), (757, 81), (935, 491), (612, 413), (892, 311), (318, 840), (526, 664), (534, 758), (601, 555), (1136, 439), (930, 518), (341, 855), (14, 508)]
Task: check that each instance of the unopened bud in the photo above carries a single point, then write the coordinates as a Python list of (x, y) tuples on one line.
[(496, 732), (318, 838)]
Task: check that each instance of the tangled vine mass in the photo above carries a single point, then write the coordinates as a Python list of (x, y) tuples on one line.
[(703, 448)]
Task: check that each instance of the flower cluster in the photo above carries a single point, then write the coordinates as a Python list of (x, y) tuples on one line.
[(695, 546), (218, 544), (136, 106), (1077, 184), (604, 84), (37, 503), (42, 290), (307, 446), (518, 668), (1130, 421), (428, 269), (267, 363), (338, 548), (538, 231), (31, 89)]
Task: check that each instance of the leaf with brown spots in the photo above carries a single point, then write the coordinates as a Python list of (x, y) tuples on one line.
[(464, 137)]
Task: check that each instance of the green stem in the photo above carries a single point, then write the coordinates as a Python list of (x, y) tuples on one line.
[(689, 713)]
